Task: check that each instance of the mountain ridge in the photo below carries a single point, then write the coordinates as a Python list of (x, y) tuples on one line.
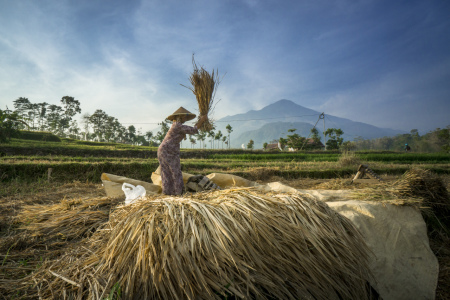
[(286, 111)]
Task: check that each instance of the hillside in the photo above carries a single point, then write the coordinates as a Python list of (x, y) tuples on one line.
[(286, 111)]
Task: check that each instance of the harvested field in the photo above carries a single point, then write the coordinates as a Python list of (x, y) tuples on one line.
[(33, 235), (26, 247)]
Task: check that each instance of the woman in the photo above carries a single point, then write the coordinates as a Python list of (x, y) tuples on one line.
[(169, 151)]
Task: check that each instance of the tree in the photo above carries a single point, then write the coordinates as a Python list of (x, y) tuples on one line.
[(334, 138), (265, 146), (98, 119), (348, 146), (282, 142), (444, 137), (314, 142), (21, 106), (9, 125), (224, 140), (295, 141), (74, 130), (192, 140), (86, 124), (149, 136), (315, 134), (160, 135), (112, 129), (229, 130), (33, 115), (71, 107), (250, 144), (140, 140), (131, 134), (217, 137), (42, 107), (211, 135), (201, 136), (54, 118)]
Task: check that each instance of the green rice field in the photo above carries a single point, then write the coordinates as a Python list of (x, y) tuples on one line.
[(29, 161)]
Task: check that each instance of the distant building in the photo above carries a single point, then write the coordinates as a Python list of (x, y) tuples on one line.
[(272, 147), (313, 144), (310, 143)]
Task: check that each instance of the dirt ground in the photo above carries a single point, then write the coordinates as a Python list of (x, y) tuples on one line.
[(21, 254)]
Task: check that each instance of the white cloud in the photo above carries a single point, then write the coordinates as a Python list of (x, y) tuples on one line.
[(332, 57)]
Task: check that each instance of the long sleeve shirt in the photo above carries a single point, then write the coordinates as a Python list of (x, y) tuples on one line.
[(171, 143)]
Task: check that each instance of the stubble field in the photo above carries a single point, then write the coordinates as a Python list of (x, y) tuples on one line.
[(74, 181)]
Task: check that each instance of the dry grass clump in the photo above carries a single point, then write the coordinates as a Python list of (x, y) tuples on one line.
[(262, 173), (427, 186), (67, 220), (417, 187), (348, 159), (424, 184), (204, 87), (213, 245), (336, 184), (39, 234)]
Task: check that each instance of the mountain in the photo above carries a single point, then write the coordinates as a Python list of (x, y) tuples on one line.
[(266, 124)]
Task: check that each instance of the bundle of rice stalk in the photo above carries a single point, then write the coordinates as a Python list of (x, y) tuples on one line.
[(427, 186), (214, 245), (424, 184), (204, 87)]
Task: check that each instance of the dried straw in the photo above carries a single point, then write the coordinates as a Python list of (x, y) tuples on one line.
[(431, 190), (204, 87), (67, 220), (217, 244), (424, 184)]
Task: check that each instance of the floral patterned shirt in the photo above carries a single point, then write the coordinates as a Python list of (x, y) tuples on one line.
[(171, 143)]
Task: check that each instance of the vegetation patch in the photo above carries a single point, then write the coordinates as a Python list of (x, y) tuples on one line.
[(39, 136)]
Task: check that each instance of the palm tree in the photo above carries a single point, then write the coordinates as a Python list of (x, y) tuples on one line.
[(201, 136), (149, 136), (211, 134), (224, 139), (229, 130), (217, 137), (192, 140)]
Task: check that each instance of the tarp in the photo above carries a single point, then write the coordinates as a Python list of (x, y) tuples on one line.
[(113, 185), (403, 264)]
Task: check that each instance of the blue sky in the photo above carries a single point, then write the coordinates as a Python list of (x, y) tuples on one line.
[(386, 63)]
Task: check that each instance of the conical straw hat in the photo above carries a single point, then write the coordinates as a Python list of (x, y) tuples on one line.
[(181, 112)]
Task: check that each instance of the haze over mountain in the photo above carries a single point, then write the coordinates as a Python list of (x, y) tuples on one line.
[(273, 121)]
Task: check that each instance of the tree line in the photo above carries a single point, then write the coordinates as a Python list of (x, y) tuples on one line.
[(99, 126), (296, 142), (434, 141), (437, 140)]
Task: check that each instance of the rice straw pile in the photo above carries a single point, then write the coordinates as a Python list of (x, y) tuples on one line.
[(67, 220), (204, 87), (214, 245), (430, 189), (424, 184)]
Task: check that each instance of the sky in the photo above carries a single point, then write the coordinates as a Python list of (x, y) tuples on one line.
[(385, 63)]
